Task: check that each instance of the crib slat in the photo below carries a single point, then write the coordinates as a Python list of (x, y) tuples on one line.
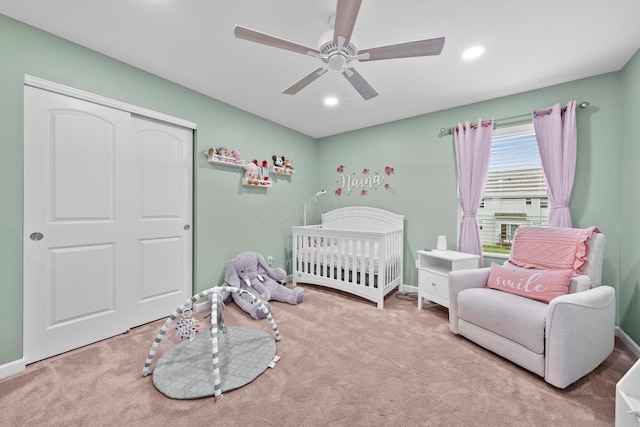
[(340, 266), (325, 261), (303, 252), (389, 267), (366, 253), (384, 269), (332, 257), (350, 260), (356, 261), (307, 254), (371, 268)]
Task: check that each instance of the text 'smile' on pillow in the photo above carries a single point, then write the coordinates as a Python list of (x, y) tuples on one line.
[(535, 284)]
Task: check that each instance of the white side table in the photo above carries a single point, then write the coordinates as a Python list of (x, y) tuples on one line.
[(433, 273)]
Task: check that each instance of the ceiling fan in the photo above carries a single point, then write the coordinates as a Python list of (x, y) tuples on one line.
[(339, 52)]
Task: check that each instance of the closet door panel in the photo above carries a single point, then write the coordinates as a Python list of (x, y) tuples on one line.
[(164, 216), (83, 146), (161, 269), (73, 254)]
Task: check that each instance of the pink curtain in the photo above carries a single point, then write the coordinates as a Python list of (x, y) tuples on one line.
[(473, 148), (557, 141)]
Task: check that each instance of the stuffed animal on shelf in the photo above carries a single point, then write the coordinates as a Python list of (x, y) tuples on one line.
[(250, 271), (278, 163), (223, 152), (288, 167), (251, 173), (237, 157), (212, 152)]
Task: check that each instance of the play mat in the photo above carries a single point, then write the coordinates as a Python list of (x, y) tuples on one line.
[(208, 364)]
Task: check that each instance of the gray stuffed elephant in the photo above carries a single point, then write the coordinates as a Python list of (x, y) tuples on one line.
[(250, 271)]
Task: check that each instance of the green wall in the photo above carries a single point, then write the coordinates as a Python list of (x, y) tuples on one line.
[(629, 291), (424, 163), (229, 218)]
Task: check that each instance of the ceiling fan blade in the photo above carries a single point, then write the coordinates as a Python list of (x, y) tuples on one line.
[(405, 50), (304, 82), (360, 84), (346, 14), (255, 36)]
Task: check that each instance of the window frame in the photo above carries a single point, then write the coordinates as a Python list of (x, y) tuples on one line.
[(530, 202)]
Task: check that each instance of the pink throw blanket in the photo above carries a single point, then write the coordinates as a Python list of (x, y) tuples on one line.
[(552, 248)]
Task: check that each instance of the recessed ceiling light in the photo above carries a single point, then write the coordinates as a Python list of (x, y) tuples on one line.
[(331, 101), (473, 52)]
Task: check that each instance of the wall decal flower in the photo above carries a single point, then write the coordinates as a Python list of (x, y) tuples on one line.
[(340, 169), (338, 191), (365, 171), (363, 192), (388, 170)]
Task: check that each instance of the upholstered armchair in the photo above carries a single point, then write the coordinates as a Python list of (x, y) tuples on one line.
[(561, 340)]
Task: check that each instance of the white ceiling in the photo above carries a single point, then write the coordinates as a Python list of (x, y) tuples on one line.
[(529, 45)]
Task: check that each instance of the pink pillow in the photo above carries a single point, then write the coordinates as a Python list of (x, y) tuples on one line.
[(540, 285), (553, 248)]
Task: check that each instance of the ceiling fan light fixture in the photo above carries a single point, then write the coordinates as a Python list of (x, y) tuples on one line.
[(337, 62), (473, 53), (331, 101)]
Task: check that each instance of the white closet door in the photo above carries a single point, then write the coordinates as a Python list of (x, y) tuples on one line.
[(163, 210), (96, 222)]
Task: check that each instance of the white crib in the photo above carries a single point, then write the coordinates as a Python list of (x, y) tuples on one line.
[(356, 249)]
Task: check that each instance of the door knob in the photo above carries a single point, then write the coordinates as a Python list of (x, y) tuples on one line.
[(36, 236)]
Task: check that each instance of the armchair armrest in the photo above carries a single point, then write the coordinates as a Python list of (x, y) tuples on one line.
[(580, 333), (460, 280), (579, 283)]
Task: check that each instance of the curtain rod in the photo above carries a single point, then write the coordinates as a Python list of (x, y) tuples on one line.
[(524, 118)]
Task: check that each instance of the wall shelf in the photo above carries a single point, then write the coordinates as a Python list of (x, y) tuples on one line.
[(217, 159), (223, 160), (279, 170), (258, 183)]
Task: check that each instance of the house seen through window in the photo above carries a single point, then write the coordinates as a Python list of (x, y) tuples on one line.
[(515, 193)]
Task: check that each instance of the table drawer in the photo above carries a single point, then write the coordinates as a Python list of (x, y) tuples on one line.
[(435, 284)]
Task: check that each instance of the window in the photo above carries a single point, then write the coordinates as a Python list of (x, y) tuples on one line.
[(515, 193)]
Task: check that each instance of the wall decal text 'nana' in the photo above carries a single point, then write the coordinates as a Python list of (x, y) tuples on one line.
[(349, 182)]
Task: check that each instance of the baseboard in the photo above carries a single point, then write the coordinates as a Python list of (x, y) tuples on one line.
[(409, 288), (12, 368), (626, 340), (202, 306)]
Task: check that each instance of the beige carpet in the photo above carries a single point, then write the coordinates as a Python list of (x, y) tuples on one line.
[(344, 363)]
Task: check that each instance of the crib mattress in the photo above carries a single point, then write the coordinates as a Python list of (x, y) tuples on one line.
[(347, 260)]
